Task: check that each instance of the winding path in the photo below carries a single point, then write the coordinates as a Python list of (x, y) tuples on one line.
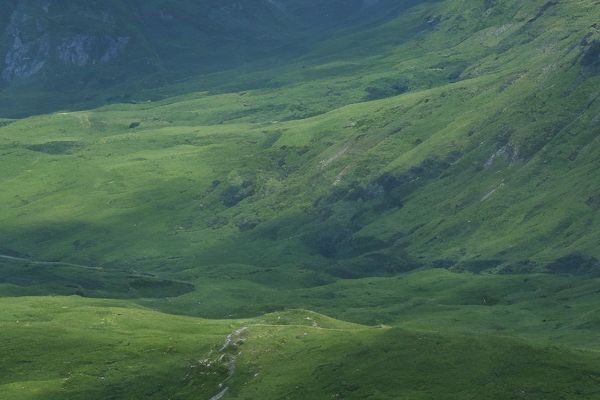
[(46, 263)]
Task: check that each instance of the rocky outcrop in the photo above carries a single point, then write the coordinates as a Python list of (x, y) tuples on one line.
[(28, 48), (82, 50), (34, 41), (87, 53)]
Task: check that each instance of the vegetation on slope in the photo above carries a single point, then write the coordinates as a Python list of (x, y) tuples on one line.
[(492, 168), (103, 349), (437, 172)]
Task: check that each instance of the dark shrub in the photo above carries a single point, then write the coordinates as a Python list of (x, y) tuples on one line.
[(56, 148), (477, 266), (519, 267), (591, 57), (576, 264), (386, 87), (330, 241), (234, 193), (374, 264)]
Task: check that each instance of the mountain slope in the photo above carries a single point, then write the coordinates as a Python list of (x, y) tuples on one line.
[(115, 351), (57, 54), (431, 174), (455, 170)]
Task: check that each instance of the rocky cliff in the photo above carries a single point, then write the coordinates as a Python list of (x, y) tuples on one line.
[(50, 38)]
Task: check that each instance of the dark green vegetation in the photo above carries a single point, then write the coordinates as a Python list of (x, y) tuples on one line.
[(436, 172)]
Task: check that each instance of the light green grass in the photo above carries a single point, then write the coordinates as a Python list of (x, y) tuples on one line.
[(440, 211), (56, 348), (59, 347)]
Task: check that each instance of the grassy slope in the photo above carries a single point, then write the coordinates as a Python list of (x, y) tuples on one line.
[(103, 349), (514, 130), (86, 188), (500, 108), (395, 364), (56, 348), (494, 169)]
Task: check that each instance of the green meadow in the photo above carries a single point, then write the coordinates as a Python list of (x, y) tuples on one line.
[(427, 186), (112, 350)]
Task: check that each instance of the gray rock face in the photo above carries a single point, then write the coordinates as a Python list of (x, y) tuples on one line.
[(63, 43), (29, 46), (82, 50), (33, 43)]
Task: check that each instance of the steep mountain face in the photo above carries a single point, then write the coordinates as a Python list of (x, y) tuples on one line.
[(46, 36), (313, 12), (76, 45)]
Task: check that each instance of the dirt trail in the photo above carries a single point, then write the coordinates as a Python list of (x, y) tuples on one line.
[(47, 263)]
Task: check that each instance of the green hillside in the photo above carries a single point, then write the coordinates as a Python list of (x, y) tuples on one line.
[(430, 173), (103, 349)]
